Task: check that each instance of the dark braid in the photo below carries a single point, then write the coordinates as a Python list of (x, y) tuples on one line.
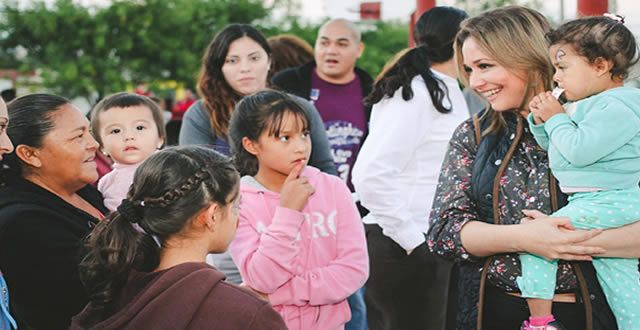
[(172, 195), (196, 178)]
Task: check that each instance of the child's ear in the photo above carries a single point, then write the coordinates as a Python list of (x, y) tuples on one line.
[(602, 66), (207, 218), (250, 146), (28, 155)]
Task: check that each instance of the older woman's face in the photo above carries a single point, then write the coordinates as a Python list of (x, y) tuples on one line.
[(504, 89), (5, 144), (246, 66), (67, 152)]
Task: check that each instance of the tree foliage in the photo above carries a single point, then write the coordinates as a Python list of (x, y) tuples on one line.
[(84, 51)]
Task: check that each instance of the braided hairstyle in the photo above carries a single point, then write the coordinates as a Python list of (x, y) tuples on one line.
[(169, 189)]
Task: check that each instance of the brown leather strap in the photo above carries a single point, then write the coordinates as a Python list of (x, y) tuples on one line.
[(496, 210), (483, 283), (553, 190), (558, 297), (476, 128), (584, 291)]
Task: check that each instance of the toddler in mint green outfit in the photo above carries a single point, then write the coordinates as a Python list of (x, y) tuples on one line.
[(594, 151)]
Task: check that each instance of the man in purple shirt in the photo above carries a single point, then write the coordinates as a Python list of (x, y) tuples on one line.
[(337, 88)]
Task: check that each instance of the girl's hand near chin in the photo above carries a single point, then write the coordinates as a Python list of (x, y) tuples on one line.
[(296, 190)]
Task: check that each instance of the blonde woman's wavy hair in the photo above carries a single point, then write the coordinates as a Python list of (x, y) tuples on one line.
[(513, 36)]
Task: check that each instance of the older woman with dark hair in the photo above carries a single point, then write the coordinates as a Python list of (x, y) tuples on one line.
[(6, 320), (47, 207)]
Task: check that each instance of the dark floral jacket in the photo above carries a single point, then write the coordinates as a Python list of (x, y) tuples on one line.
[(524, 183)]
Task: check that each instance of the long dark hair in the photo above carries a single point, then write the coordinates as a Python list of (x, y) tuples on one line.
[(218, 97), (253, 115), (434, 34), (31, 120), (168, 190)]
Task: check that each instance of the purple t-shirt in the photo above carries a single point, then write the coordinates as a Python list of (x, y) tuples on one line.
[(342, 111)]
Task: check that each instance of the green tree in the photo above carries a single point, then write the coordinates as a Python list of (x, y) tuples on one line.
[(93, 51), (85, 50)]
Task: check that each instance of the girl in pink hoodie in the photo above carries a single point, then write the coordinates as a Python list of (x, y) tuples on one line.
[(300, 241)]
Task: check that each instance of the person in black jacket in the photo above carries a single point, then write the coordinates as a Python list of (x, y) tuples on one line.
[(47, 207)]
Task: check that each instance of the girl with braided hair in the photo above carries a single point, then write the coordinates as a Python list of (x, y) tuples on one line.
[(185, 200), (300, 240)]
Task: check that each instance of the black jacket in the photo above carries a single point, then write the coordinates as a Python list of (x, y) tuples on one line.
[(297, 81), (40, 240)]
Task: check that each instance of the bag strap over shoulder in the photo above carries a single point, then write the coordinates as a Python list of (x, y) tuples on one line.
[(476, 128)]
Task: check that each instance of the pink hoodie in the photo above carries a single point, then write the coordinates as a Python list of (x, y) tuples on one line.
[(308, 262)]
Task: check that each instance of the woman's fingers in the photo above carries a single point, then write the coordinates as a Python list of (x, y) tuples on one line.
[(563, 222), (533, 214), (581, 235), (584, 250), (576, 257)]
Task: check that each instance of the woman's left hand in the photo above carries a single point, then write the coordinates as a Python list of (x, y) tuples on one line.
[(555, 238)]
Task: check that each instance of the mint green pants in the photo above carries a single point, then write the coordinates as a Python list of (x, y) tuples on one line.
[(619, 278)]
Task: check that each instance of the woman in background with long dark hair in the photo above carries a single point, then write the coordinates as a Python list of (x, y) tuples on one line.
[(47, 207), (417, 104)]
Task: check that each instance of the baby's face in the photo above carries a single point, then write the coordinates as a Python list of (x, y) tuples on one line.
[(129, 135), (573, 73)]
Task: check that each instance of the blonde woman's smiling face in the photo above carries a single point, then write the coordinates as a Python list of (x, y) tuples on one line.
[(503, 88)]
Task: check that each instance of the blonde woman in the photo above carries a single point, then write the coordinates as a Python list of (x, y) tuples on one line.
[(494, 171)]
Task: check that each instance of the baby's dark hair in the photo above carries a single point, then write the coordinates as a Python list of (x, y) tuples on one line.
[(256, 113), (125, 100), (169, 189), (601, 36)]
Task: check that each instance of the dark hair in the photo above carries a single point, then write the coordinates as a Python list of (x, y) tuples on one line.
[(8, 95), (604, 37), (126, 100), (31, 120), (253, 115), (288, 51), (218, 97), (434, 34), (168, 190)]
